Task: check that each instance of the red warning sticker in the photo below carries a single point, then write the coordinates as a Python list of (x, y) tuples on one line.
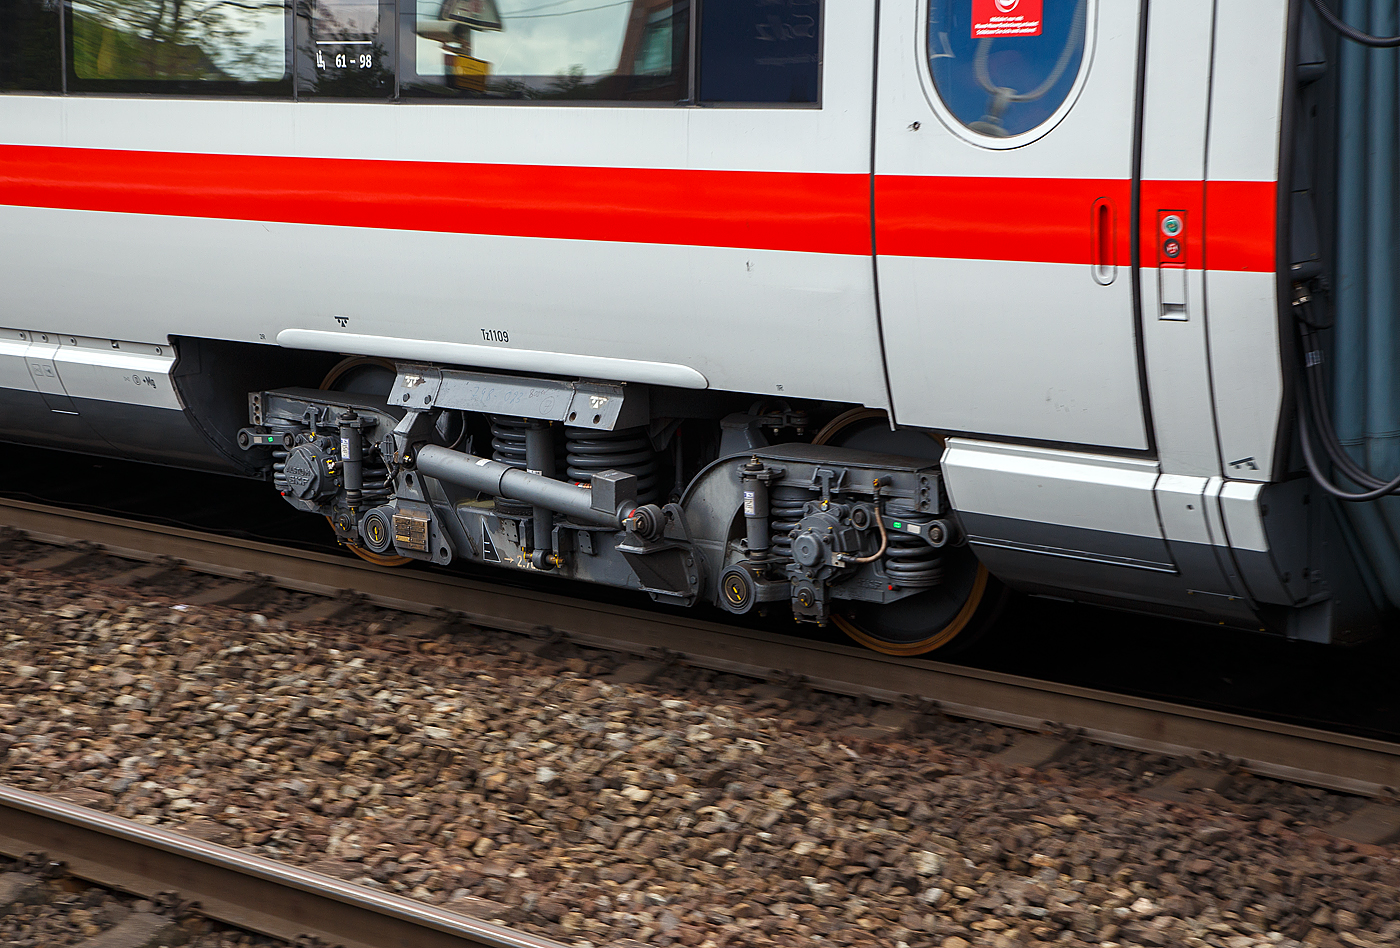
[(1006, 18)]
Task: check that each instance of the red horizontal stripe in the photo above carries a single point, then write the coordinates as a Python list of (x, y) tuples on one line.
[(1040, 219), (1024, 219), (1187, 197), (1241, 225), (1230, 224), (826, 213)]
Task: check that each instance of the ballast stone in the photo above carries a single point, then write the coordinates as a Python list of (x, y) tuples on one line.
[(139, 930)]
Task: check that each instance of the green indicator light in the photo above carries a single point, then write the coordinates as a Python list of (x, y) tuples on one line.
[(898, 525)]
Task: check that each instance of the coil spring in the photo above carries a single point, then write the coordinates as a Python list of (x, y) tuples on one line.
[(508, 447), (909, 561), (279, 469), (627, 449), (508, 441), (378, 484), (785, 508)]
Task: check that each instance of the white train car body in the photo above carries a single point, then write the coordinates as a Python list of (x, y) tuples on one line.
[(1090, 313)]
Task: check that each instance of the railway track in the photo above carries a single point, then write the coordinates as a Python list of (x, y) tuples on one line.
[(913, 686), (238, 888)]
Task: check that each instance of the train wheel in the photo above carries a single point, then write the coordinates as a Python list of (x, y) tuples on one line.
[(952, 615), (364, 375)]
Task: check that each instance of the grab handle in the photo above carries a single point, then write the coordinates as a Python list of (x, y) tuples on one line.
[(1103, 242)]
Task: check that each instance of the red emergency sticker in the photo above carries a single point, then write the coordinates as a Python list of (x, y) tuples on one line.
[(1006, 18)]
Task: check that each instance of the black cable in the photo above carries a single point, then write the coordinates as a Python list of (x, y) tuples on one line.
[(1317, 387), (1351, 32), (1316, 384), (1322, 481), (1312, 405)]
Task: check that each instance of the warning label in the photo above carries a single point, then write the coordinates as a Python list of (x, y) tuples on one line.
[(1006, 18), (488, 549)]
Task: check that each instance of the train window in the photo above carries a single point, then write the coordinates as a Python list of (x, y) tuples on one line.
[(29, 46), (760, 51), (587, 50), (155, 46), (343, 50), (1004, 67)]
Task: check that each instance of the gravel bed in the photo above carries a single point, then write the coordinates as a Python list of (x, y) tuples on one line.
[(698, 810)]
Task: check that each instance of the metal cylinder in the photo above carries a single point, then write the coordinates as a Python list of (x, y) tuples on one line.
[(352, 458), (755, 507), (508, 447), (501, 480), (539, 459)]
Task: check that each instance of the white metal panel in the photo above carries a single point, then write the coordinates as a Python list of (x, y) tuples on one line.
[(14, 369), (31, 119), (1042, 485), (1177, 93), (799, 324), (1245, 370), (833, 138), (1243, 146), (1250, 42), (1179, 383), (1010, 347), (1089, 142), (1239, 505), (494, 357), (793, 324), (1176, 101), (987, 346), (752, 139), (42, 370), (1181, 504), (1214, 519), (102, 369), (116, 371)]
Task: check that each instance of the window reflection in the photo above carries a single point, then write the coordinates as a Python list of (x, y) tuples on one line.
[(549, 49), (342, 52), (203, 40), (1003, 67), (29, 46)]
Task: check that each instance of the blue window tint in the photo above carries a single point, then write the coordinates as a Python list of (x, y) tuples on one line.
[(763, 51), (994, 81)]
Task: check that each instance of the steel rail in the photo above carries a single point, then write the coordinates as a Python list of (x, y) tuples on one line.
[(236, 887), (1271, 749)]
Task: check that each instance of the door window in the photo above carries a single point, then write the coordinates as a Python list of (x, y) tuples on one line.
[(1005, 67)]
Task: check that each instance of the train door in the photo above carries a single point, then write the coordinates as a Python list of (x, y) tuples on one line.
[(1004, 161), (1173, 281), (1005, 141)]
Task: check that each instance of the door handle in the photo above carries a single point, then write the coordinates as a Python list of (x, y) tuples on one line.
[(1103, 241)]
